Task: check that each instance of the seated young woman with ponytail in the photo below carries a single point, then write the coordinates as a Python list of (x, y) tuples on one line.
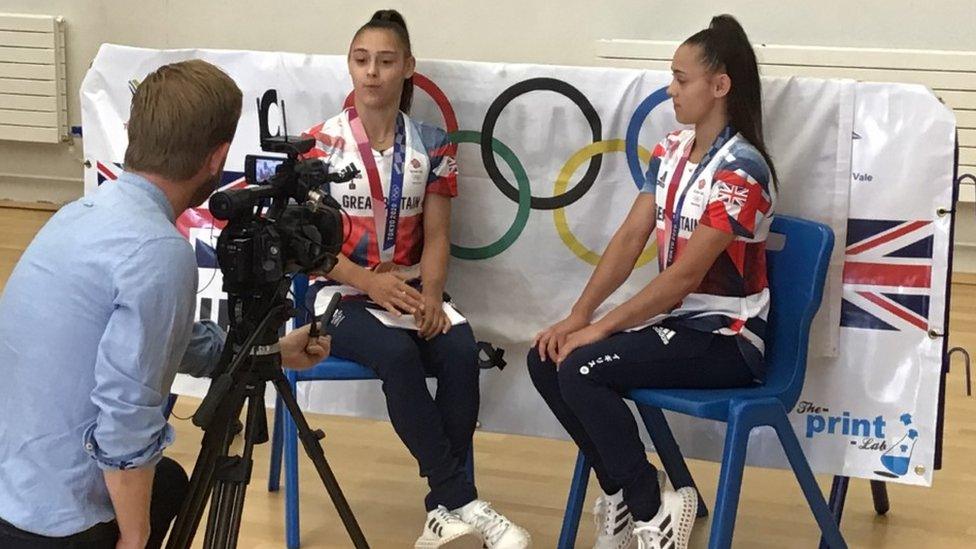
[(708, 197), (399, 211)]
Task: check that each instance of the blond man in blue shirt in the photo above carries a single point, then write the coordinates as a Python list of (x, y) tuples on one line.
[(97, 319)]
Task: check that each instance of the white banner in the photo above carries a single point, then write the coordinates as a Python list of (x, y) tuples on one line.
[(517, 269)]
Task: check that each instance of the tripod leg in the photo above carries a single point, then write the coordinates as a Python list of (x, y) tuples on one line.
[(218, 501), (223, 492), (310, 441), (246, 364), (233, 475), (201, 481)]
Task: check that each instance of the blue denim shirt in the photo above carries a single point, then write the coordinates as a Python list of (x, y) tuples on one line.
[(95, 322)]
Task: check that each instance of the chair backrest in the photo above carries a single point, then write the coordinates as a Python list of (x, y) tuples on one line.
[(797, 255)]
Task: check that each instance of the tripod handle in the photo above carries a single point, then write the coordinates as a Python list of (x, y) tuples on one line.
[(218, 388), (320, 323)]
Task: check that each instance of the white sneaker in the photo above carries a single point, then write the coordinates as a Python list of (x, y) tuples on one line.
[(446, 529), (614, 523), (671, 527), (497, 531)]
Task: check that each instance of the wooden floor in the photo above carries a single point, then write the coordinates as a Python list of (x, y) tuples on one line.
[(527, 478)]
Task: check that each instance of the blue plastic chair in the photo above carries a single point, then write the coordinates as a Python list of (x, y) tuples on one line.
[(796, 276), (285, 433)]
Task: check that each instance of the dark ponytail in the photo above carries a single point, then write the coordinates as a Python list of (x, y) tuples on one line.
[(725, 46), (391, 20)]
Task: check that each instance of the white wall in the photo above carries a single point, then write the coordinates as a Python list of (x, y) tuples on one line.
[(501, 30)]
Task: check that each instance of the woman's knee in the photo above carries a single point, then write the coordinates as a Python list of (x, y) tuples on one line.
[(458, 346), (542, 372), (576, 377)]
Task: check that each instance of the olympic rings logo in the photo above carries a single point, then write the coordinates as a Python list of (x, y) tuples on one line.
[(563, 193)]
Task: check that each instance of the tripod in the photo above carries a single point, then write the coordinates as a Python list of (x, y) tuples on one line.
[(223, 478)]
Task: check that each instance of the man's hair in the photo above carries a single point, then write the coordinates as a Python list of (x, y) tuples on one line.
[(180, 114)]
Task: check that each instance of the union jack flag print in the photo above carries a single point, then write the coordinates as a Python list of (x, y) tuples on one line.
[(107, 171), (887, 274), (193, 218)]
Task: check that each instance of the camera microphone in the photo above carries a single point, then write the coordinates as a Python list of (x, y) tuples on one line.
[(227, 205)]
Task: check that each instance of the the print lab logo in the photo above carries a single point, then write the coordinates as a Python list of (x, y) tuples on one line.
[(867, 434)]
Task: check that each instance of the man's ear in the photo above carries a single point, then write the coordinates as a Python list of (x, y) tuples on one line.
[(215, 161)]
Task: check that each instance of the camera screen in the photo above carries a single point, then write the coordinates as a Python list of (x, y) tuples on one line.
[(258, 169)]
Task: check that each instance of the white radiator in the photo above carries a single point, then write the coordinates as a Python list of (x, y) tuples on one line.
[(33, 104), (951, 75)]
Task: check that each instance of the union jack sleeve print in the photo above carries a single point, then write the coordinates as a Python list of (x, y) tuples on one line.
[(663, 147), (325, 144), (740, 196), (442, 177)]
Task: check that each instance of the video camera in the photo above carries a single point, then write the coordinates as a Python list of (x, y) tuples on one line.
[(284, 221)]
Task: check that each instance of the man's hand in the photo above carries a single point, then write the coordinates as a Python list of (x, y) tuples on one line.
[(300, 352)]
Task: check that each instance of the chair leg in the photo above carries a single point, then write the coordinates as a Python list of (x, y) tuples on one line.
[(292, 527), (729, 483), (836, 501), (879, 492), (801, 469), (274, 472), (667, 449), (574, 505), (838, 496)]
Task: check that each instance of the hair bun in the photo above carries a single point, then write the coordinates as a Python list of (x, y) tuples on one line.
[(391, 16)]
